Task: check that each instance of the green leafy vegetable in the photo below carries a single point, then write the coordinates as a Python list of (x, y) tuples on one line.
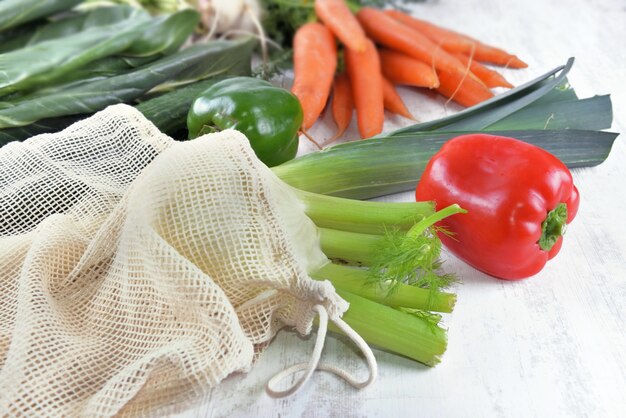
[(165, 34), (220, 57), (16, 12), (43, 126), (146, 42), (26, 68), (59, 28)]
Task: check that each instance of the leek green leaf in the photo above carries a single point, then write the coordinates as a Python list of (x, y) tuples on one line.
[(594, 113)]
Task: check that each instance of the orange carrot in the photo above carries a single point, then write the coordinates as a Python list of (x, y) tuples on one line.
[(367, 89), (453, 41), (464, 90), (314, 64), (393, 102), (387, 31), (448, 40), (492, 55), (342, 104), (339, 19), (403, 69), (488, 76)]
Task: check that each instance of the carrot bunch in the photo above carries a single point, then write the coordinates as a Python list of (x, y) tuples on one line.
[(383, 49)]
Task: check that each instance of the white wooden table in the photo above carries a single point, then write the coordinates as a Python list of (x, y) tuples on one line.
[(552, 345)]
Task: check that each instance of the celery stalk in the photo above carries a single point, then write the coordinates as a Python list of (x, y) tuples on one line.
[(364, 217), (358, 282), (349, 246), (392, 330)]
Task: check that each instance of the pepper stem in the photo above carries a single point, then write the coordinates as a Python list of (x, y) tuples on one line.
[(553, 227)]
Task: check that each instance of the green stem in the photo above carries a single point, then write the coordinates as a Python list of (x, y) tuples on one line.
[(348, 246), (553, 227), (363, 216), (422, 225), (361, 248), (355, 281), (393, 330)]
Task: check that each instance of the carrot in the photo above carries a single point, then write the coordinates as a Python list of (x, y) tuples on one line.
[(393, 102), (403, 69), (488, 76), (314, 64), (342, 104), (339, 19), (367, 89), (493, 55), (448, 40), (387, 31), (464, 90), (453, 41)]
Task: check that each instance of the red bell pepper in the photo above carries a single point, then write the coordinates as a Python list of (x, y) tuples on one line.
[(518, 196)]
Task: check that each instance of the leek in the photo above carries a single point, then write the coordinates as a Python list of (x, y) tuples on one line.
[(380, 166), (545, 112)]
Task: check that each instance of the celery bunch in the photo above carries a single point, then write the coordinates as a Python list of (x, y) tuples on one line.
[(386, 265)]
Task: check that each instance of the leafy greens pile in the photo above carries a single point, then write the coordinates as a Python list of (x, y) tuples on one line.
[(64, 67)]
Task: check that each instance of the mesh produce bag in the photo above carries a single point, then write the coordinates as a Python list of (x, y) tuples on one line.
[(137, 272)]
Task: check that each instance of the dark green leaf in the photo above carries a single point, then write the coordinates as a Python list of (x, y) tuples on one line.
[(220, 56), (23, 69), (560, 93), (204, 70), (44, 126), (165, 35), (594, 113), (16, 12), (79, 22)]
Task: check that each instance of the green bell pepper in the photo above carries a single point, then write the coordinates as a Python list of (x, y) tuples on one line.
[(269, 116)]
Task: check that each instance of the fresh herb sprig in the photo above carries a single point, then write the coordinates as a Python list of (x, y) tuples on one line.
[(413, 257)]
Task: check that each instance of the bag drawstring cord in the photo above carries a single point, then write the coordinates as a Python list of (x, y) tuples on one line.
[(313, 364)]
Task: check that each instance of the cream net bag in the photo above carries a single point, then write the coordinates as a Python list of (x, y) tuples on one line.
[(137, 272)]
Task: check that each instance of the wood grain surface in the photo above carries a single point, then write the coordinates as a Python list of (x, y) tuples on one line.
[(550, 346)]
